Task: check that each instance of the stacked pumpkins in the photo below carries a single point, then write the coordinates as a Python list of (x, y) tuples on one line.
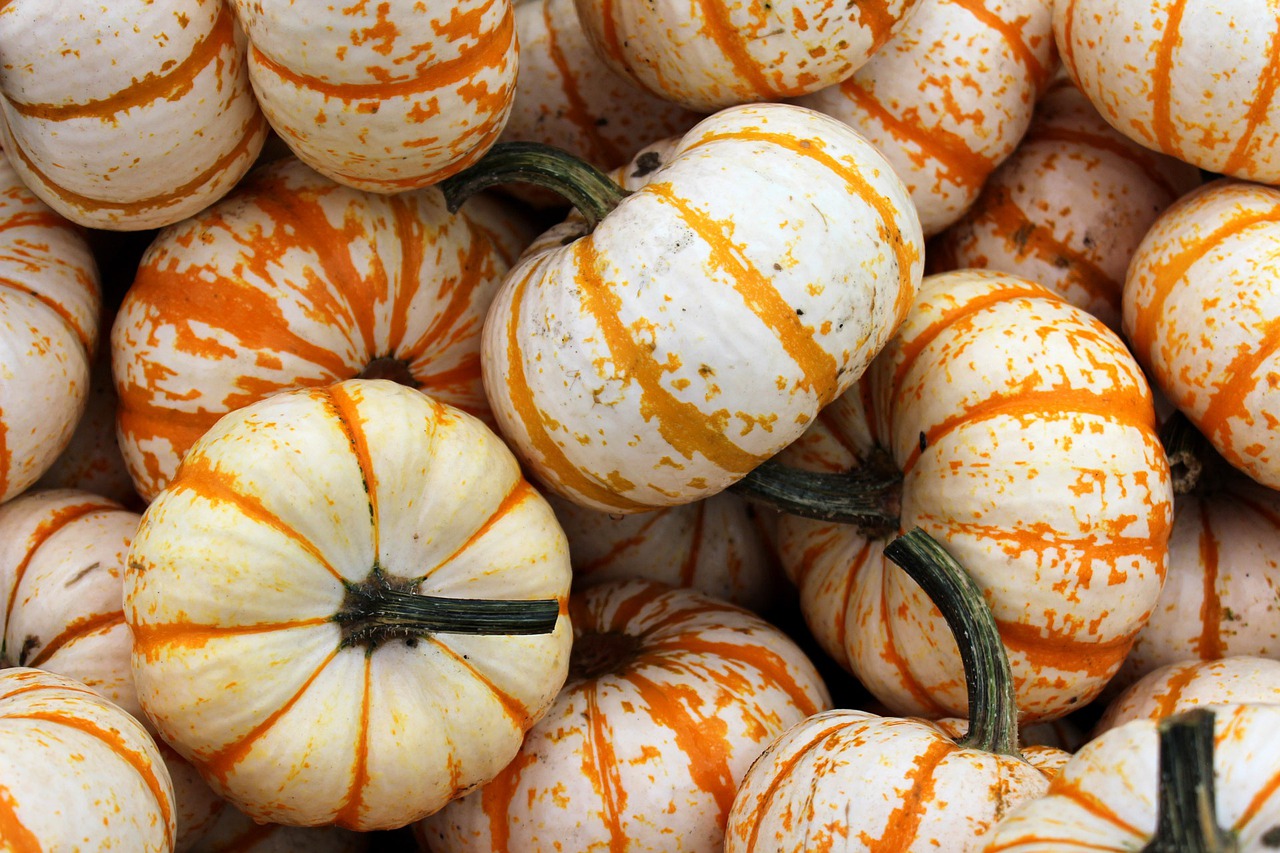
[(918, 355)]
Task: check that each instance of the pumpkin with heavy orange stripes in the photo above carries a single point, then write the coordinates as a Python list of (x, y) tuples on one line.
[(1196, 81), (1021, 434), (949, 97), (387, 96), (1178, 687), (1200, 308), (1068, 208), (671, 695), (50, 299), (297, 281), (312, 601), (708, 316), (711, 54), (130, 119), (76, 771)]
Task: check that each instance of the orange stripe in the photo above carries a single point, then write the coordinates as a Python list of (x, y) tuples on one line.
[(617, 547), (606, 779), (77, 629), (1232, 386), (692, 651), (16, 836), (1142, 158), (689, 565), (1264, 94), (1261, 799), (349, 815), (601, 151), (716, 23), (1011, 30), (351, 420), (919, 796), (1209, 644), (150, 640), (1162, 128), (890, 654), (45, 299), (1090, 803), (1067, 45), (1046, 649), (520, 716), (6, 463), (519, 493), (1166, 702), (478, 271)]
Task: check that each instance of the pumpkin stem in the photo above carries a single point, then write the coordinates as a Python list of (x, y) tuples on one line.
[(993, 708), (868, 497), (1186, 815), (1194, 463), (382, 608), (587, 188), (391, 368)]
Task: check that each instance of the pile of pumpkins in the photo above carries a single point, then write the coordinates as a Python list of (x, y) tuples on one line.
[(465, 426)]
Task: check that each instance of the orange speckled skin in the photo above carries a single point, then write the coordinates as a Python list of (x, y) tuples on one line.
[(1196, 81), (851, 782), (643, 755), (949, 97), (1202, 312), (128, 115), (1069, 206), (50, 300), (1026, 436), (1181, 686), (1104, 800), (77, 772), (241, 564), (383, 95), (297, 281)]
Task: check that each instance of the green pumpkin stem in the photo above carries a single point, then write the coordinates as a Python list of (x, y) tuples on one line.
[(993, 708), (382, 608), (584, 186), (1186, 814), (868, 497)]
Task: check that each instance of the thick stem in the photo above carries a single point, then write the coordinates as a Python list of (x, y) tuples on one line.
[(588, 189), (993, 708), (1187, 451), (381, 608), (869, 497), (1186, 816), (389, 367)]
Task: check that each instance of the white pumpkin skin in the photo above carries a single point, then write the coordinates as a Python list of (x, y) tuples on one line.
[(76, 771), (1182, 686), (242, 564), (712, 54), (1196, 81), (704, 322), (128, 120), (50, 301), (1200, 304), (1069, 206), (671, 696), (383, 97), (949, 97)]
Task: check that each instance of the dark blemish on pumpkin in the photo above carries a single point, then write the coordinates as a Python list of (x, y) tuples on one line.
[(1062, 262), (924, 442), (601, 122), (412, 642), (799, 312), (80, 575), (28, 646), (1022, 235), (778, 267), (706, 370), (646, 163), (1271, 838), (1088, 241)]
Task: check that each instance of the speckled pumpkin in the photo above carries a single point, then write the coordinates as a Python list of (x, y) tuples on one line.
[(1182, 686)]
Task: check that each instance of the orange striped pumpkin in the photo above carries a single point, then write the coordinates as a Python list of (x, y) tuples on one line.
[(710, 54), (50, 299), (1184, 685), (1196, 81), (276, 591), (1068, 208), (77, 772), (1200, 308), (671, 695), (705, 321), (1025, 435), (949, 98), (297, 281), (388, 96), (127, 120)]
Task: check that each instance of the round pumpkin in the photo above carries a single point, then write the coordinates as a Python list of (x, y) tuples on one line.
[(1181, 686), (310, 601)]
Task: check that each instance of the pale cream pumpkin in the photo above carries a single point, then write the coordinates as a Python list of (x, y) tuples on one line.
[(1196, 81), (76, 771), (1069, 206), (671, 695), (294, 601), (130, 119), (949, 97), (387, 96), (1182, 686)]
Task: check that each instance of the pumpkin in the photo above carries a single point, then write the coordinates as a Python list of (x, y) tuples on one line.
[(671, 695), (1069, 206), (50, 301), (297, 281), (703, 321), (383, 97), (232, 831), (949, 97), (77, 772), (1184, 685), (1199, 781), (128, 120), (310, 602), (1196, 81), (848, 780), (1018, 431), (710, 55), (1199, 308)]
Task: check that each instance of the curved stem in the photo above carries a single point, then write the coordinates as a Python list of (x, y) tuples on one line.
[(993, 708), (1186, 816), (587, 188), (869, 497)]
